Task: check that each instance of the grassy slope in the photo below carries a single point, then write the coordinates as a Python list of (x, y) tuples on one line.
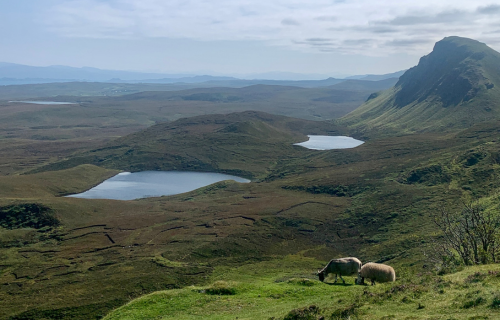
[(171, 242), (273, 288), (31, 135), (223, 143), (373, 202), (454, 87), (89, 89)]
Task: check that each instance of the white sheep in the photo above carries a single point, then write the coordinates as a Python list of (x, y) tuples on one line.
[(342, 266), (376, 272)]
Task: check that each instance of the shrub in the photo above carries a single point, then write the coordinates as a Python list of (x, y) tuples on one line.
[(27, 215), (306, 313), (475, 277), (220, 288), (474, 303), (302, 282), (470, 235), (495, 304), (345, 313)]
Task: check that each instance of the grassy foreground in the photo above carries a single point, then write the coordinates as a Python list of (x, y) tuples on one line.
[(288, 289)]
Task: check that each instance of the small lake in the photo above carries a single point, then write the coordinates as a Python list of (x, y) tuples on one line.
[(146, 184), (44, 102), (329, 142)]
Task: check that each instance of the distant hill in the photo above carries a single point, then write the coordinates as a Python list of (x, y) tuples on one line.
[(17, 74), (220, 143), (322, 103), (239, 83), (277, 75), (11, 71), (377, 77), (16, 90), (375, 85), (455, 86)]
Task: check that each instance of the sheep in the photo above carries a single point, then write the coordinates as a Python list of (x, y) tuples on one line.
[(342, 266), (376, 272)]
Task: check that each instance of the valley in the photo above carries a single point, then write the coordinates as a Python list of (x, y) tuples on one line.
[(262, 242)]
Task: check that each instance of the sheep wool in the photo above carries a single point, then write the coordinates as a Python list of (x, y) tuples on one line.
[(376, 272)]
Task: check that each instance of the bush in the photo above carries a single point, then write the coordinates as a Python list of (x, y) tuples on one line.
[(220, 288), (475, 277), (474, 303), (307, 313), (471, 236), (496, 302), (27, 215), (345, 313), (302, 282)]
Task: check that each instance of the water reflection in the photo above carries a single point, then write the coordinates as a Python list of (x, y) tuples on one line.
[(129, 186), (43, 102), (329, 142)]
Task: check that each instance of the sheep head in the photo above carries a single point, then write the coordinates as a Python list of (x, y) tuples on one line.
[(321, 276)]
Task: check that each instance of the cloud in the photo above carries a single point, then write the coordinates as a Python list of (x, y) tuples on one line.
[(492, 32), (326, 18), (408, 42), (357, 42), (290, 22), (445, 17), (491, 9), (390, 26), (318, 39)]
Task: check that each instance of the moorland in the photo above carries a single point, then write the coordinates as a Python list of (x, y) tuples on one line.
[(251, 251)]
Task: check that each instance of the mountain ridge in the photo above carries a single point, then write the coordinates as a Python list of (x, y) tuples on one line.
[(453, 87), (12, 73)]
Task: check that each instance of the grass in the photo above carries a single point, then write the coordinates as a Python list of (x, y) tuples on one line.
[(272, 290), (34, 135), (318, 205), (259, 291), (243, 144), (238, 250), (203, 236)]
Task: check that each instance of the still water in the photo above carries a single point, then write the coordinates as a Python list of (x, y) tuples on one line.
[(44, 102), (145, 184), (329, 142)]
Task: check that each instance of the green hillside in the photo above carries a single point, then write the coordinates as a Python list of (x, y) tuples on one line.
[(455, 86), (374, 202), (251, 250), (246, 143), (287, 290), (32, 135)]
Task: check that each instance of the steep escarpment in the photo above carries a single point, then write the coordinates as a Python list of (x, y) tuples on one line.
[(455, 86)]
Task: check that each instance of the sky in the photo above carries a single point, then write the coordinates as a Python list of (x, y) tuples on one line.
[(238, 37)]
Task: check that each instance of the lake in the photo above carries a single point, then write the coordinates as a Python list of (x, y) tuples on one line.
[(44, 102), (145, 184), (329, 142)]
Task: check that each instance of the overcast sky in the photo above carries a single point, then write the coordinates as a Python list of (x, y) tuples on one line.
[(328, 37)]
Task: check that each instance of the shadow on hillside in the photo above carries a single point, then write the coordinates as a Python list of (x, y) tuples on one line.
[(339, 284)]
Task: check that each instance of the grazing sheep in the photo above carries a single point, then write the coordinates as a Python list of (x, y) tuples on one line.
[(342, 266), (376, 272)]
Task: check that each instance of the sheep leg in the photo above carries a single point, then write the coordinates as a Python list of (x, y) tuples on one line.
[(373, 282), (343, 281), (335, 279)]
